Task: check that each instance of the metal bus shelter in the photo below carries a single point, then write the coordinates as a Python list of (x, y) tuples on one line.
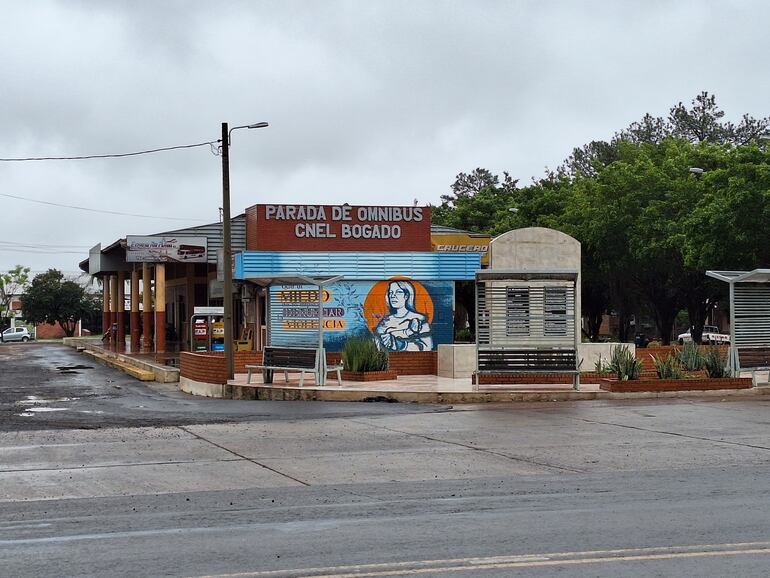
[(749, 319), (321, 282), (526, 322)]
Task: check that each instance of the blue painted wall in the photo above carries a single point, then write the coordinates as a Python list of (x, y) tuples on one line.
[(365, 308)]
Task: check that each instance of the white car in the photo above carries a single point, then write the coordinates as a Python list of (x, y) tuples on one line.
[(15, 334), (711, 335)]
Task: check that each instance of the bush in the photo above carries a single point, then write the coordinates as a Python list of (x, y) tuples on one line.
[(463, 335), (667, 367), (624, 364), (691, 357), (601, 366), (714, 362), (361, 354)]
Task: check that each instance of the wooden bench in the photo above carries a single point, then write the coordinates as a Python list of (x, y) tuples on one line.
[(753, 359), (294, 359), (529, 361)]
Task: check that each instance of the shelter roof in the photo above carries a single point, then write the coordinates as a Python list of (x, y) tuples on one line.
[(527, 274), (755, 276)]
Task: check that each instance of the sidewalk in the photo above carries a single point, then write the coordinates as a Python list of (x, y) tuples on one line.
[(434, 389)]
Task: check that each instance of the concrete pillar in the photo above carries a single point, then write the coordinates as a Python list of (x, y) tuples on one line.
[(160, 308), (106, 304), (147, 308), (113, 308), (121, 311), (134, 320)]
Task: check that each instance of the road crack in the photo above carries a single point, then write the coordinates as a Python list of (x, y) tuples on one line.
[(474, 448), (676, 434), (241, 456)]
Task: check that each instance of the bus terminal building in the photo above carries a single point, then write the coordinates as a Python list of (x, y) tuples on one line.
[(383, 274)]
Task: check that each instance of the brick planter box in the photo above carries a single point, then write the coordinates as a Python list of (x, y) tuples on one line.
[(370, 375), (653, 385)]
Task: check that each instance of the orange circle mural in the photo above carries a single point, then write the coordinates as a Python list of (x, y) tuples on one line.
[(376, 303)]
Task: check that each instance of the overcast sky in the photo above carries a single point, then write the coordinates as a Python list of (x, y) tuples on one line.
[(369, 102)]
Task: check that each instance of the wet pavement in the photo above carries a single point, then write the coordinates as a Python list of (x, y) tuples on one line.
[(50, 386), (287, 489)]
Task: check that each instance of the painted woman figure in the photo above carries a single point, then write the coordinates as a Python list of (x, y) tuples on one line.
[(404, 328)]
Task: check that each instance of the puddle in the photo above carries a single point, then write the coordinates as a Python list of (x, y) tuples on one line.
[(44, 409), (31, 411), (35, 400)]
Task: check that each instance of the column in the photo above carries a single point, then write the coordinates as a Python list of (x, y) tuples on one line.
[(113, 308), (134, 320), (106, 305), (160, 308), (121, 311), (146, 308)]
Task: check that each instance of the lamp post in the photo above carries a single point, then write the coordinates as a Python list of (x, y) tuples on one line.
[(227, 250)]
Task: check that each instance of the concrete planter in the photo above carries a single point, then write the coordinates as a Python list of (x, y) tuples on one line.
[(370, 375), (653, 385)]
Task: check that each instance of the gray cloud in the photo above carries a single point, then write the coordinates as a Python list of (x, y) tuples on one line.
[(369, 102)]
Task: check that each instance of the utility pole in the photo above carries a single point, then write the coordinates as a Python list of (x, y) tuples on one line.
[(227, 251)]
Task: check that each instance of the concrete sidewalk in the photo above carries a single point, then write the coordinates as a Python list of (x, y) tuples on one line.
[(434, 389)]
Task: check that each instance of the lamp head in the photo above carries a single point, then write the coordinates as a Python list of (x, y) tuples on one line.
[(258, 125)]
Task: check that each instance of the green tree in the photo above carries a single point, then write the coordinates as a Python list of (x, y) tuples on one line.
[(11, 284), (52, 299)]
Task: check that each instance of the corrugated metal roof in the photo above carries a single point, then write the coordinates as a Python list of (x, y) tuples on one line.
[(213, 234), (363, 265), (444, 230)]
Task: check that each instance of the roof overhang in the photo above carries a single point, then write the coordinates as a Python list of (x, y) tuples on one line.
[(267, 280), (527, 275), (755, 276)]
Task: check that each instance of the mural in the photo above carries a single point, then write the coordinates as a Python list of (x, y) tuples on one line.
[(402, 327), (400, 314)]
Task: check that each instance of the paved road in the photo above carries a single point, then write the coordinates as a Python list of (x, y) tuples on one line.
[(49, 386), (674, 488)]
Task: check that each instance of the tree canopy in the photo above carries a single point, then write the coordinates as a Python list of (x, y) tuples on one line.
[(12, 283), (649, 226), (53, 299)]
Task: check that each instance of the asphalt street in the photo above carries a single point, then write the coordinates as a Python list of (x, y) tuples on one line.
[(193, 487)]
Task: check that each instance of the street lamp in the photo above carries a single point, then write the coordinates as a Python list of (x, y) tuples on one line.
[(697, 170), (227, 250)]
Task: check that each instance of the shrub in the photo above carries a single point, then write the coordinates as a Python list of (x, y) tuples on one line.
[(624, 364), (601, 366), (361, 354), (667, 367), (463, 335), (714, 362), (691, 356)]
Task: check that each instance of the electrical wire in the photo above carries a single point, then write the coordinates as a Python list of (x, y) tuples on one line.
[(113, 156), (90, 210)]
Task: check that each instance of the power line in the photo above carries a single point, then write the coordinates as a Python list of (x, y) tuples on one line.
[(113, 156), (42, 245), (90, 210)]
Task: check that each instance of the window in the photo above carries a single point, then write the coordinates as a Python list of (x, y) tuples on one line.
[(517, 311), (555, 311)]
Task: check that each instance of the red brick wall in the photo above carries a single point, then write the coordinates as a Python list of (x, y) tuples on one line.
[(211, 367), (414, 362), (46, 331), (405, 362)]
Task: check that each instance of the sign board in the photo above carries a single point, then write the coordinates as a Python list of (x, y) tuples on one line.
[(209, 310), (337, 228), (462, 243), (163, 249)]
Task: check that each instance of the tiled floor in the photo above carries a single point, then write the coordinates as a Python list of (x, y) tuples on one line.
[(415, 383)]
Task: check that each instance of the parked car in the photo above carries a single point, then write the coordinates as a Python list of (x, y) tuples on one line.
[(711, 335), (15, 334)]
